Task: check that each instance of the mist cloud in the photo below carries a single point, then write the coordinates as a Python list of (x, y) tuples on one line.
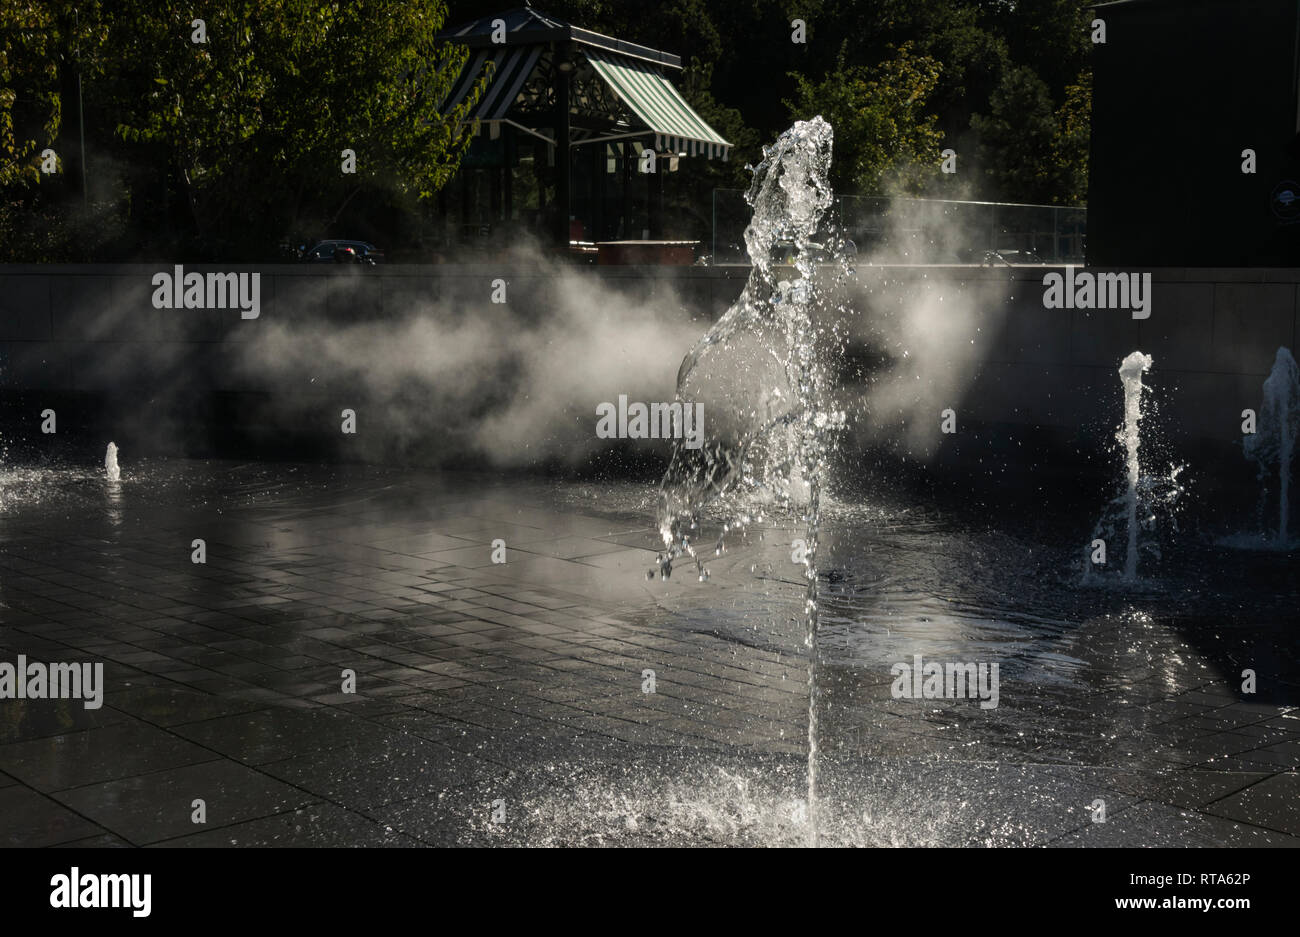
[(497, 381)]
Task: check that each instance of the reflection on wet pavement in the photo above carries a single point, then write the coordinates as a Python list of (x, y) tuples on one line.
[(561, 697)]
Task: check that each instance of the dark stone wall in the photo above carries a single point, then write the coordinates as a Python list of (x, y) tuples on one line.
[(86, 341)]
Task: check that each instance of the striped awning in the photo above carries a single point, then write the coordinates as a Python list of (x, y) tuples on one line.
[(655, 101), (647, 93), (513, 65)]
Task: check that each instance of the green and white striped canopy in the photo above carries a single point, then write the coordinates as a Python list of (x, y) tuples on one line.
[(655, 101)]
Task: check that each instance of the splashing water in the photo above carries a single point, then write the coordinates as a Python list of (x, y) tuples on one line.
[(111, 468), (758, 375), (1273, 443), (1141, 495), (1130, 372), (756, 372)]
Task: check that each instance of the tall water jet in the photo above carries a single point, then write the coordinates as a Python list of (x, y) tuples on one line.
[(1130, 372), (1273, 442), (755, 371), (111, 469), (758, 375)]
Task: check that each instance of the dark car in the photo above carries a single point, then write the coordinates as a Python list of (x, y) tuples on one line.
[(344, 252)]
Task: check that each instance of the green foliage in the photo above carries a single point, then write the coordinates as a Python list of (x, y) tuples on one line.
[(43, 45), (256, 119), (885, 138), (29, 102), (1031, 151), (1070, 154), (245, 130), (1016, 137), (1049, 36)]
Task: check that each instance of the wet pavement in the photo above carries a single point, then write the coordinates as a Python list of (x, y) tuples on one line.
[(561, 697)]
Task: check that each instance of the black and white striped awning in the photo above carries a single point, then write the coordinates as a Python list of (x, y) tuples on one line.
[(512, 66), (658, 107)]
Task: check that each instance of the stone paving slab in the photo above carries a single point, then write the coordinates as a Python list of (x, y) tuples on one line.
[(32, 819), (524, 685)]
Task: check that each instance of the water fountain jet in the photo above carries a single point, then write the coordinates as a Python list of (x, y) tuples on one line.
[(1130, 372), (1273, 443), (111, 469), (758, 375)]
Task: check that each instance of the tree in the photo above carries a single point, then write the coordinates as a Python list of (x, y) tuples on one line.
[(1048, 36), (218, 138), (30, 110), (255, 120), (1030, 150), (1072, 142), (886, 139), (44, 46)]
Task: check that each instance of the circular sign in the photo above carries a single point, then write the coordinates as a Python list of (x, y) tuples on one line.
[(1285, 200)]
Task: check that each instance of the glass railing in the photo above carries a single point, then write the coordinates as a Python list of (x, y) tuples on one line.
[(927, 231)]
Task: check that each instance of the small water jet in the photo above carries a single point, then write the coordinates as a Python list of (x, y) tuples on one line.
[(1130, 373), (1143, 495), (111, 468), (1272, 445)]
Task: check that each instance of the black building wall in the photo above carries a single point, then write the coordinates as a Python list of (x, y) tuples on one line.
[(1181, 87)]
